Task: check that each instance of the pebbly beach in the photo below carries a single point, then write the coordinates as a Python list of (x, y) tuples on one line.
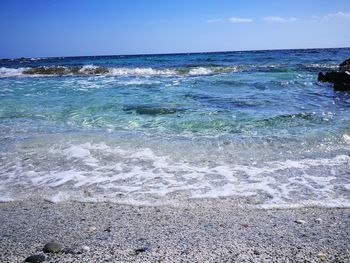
[(199, 231)]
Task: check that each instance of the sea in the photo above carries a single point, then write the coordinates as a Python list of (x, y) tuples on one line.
[(252, 127)]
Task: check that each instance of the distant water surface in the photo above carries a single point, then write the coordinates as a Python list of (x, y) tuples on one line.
[(253, 126)]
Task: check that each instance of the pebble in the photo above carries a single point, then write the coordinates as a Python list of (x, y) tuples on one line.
[(35, 259), (52, 247), (301, 222), (108, 229), (68, 250), (85, 248), (92, 229), (322, 256), (318, 220), (141, 249)]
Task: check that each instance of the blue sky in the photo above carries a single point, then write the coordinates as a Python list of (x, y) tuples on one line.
[(40, 28)]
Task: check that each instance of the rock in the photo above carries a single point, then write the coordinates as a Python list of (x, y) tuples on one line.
[(322, 256), (92, 229), (345, 65), (108, 229), (35, 259), (301, 222), (151, 110), (68, 250), (340, 80), (141, 249), (52, 247), (85, 248), (318, 220)]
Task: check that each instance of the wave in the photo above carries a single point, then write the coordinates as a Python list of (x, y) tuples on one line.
[(319, 66), (103, 171), (11, 72), (91, 70), (193, 70)]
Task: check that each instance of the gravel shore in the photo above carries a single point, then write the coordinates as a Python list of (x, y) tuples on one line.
[(198, 231)]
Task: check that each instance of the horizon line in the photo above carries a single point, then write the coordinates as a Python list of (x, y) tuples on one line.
[(176, 53)]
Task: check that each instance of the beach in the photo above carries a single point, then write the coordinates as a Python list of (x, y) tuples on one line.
[(199, 231), (174, 131), (204, 157)]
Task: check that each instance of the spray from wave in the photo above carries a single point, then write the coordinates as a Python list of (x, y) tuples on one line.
[(88, 70), (200, 70)]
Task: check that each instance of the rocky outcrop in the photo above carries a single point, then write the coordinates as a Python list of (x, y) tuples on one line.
[(340, 78), (345, 65)]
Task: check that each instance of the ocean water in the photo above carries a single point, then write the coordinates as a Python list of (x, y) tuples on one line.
[(254, 127)]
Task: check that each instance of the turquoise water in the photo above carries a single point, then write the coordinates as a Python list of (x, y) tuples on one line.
[(253, 126)]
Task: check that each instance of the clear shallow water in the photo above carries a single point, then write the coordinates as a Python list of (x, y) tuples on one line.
[(166, 128)]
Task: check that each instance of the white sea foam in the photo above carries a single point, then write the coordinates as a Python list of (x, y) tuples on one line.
[(91, 70), (321, 65), (346, 138), (11, 72), (87, 68), (140, 71), (97, 171), (200, 71), (138, 81)]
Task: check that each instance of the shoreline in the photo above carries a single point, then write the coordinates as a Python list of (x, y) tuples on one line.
[(198, 231)]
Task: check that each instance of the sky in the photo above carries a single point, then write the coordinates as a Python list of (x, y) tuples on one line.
[(46, 28)]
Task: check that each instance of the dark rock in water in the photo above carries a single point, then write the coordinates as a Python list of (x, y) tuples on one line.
[(52, 247), (35, 259), (340, 78), (345, 65), (151, 110), (46, 71), (155, 111), (62, 70)]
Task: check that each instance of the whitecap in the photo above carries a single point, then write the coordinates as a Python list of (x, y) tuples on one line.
[(11, 72)]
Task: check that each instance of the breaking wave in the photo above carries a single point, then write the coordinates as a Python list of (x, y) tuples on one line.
[(100, 172), (111, 71), (90, 70)]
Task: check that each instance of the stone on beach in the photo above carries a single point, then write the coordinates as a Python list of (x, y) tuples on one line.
[(52, 247), (300, 222), (318, 220), (68, 250), (35, 259), (142, 249), (85, 248)]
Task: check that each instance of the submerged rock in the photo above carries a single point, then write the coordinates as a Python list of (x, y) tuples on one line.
[(52, 247), (340, 78), (151, 110)]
